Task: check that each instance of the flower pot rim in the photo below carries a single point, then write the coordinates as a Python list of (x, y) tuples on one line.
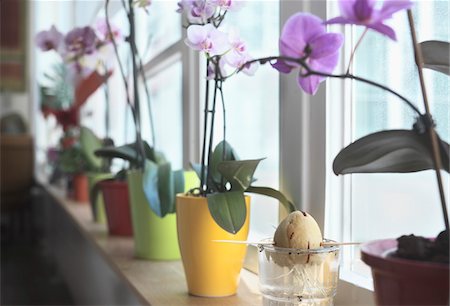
[(184, 195), (274, 249), (113, 183), (374, 253)]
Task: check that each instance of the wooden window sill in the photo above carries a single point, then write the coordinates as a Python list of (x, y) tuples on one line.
[(153, 282)]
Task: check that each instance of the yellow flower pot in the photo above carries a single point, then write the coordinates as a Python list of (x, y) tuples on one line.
[(212, 268)]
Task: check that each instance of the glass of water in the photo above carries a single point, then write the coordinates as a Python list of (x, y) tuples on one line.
[(298, 276)]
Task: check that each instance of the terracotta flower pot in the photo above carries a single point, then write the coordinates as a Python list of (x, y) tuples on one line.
[(402, 281), (212, 269), (80, 188), (117, 206)]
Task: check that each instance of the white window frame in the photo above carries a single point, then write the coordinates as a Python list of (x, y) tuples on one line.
[(306, 157)]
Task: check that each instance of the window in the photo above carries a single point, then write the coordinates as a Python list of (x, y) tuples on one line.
[(377, 206), (251, 104)]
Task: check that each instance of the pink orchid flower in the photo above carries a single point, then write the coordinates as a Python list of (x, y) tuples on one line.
[(364, 12), (208, 39), (197, 11), (228, 5), (103, 33), (50, 40), (304, 36)]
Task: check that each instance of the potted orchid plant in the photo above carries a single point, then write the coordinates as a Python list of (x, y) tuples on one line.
[(152, 183), (305, 46), (217, 209), (84, 68)]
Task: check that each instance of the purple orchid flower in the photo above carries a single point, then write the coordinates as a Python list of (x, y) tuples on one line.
[(81, 41), (49, 40), (208, 39), (304, 36), (363, 12)]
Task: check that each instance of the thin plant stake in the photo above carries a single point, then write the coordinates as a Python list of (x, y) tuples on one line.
[(327, 243), (432, 133)]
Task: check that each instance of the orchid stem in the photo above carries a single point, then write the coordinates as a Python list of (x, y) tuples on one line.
[(134, 54), (211, 129), (205, 127), (224, 126), (124, 78), (432, 133), (149, 104), (309, 71), (354, 50)]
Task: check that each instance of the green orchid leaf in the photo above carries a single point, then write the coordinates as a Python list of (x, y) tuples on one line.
[(149, 151), (228, 210), (150, 186), (121, 175), (89, 143), (273, 193), (93, 195), (239, 172), (166, 190), (179, 186), (436, 55), (160, 158), (222, 152), (389, 151), (128, 152)]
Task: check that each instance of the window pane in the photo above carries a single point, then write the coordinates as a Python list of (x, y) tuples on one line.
[(389, 205), (165, 98), (158, 28), (252, 108)]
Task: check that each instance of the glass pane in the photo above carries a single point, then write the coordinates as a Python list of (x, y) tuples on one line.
[(252, 108), (158, 28), (166, 104), (389, 205)]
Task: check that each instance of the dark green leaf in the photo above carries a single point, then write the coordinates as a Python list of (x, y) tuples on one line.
[(239, 172), (149, 151), (228, 210), (166, 189), (89, 143), (150, 187), (126, 152), (399, 151), (93, 195), (270, 192), (436, 55), (222, 152)]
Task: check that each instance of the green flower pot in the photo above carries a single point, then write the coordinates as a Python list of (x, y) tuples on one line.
[(99, 206), (155, 238)]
